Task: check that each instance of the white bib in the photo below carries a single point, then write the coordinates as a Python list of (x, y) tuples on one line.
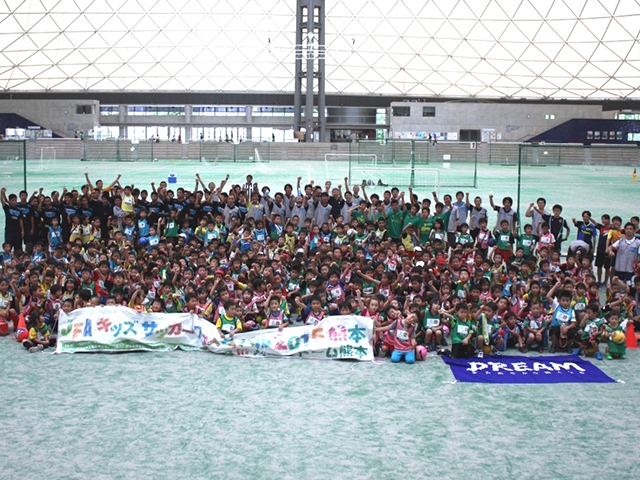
[(433, 322), (463, 330), (563, 317)]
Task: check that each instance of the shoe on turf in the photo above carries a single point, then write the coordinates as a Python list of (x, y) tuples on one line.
[(480, 354), (609, 357), (598, 356), (575, 352), (34, 350), (622, 356), (552, 348), (540, 349)]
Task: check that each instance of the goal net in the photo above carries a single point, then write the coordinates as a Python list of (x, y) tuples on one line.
[(47, 157), (395, 176), (261, 164), (12, 157), (334, 162)]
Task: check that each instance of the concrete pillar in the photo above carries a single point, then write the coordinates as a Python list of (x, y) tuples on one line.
[(249, 122)]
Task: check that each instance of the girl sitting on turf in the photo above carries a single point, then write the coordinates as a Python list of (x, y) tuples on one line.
[(433, 325), (39, 334), (402, 334)]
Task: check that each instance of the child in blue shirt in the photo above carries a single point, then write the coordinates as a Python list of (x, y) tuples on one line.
[(562, 328)]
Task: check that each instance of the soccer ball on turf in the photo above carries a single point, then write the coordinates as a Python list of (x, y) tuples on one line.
[(618, 338)]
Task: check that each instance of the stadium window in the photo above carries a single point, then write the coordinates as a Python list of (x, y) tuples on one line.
[(550, 116), (84, 109), (109, 109), (469, 135), (428, 111), (401, 111), (619, 136), (590, 135), (596, 135), (605, 136), (612, 135)]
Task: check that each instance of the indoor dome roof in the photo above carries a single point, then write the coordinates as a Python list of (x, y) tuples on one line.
[(484, 48)]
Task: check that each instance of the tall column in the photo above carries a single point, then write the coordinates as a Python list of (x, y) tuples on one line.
[(310, 46)]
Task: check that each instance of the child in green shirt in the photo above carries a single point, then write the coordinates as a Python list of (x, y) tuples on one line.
[(462, 332), (615, 348)]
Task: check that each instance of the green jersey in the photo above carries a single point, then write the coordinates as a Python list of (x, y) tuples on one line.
[(424, 230), (171, 228), (395, 222), (460, 329), (504, 240), (413, 220), (526, 242), (619, 348), (361, 217), (444, 217), (431, 320), (461, 291), (464, 238), (591, 328), (228, 325)]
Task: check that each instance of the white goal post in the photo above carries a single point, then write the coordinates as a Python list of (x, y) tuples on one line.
[(395, 176), (47, 157), (369, 159)]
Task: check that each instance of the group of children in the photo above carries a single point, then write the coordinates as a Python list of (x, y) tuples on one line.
[(446, 277)]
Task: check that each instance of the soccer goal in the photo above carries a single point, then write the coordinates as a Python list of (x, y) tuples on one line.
[(261, 165), (47, 157), (333, 160), (395, 176)]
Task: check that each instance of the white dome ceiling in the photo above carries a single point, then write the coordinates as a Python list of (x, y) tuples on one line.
[(484, 48)]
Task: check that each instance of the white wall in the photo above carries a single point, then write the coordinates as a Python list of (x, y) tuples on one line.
[(512, 122), (57, 115)]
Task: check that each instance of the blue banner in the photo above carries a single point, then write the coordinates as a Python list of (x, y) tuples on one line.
[(560, 369)]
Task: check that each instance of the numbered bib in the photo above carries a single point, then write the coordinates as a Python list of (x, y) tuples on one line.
[(227, 328), (563, 317), (275, 323), (433, 322), (402, 335), (462, 330)]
